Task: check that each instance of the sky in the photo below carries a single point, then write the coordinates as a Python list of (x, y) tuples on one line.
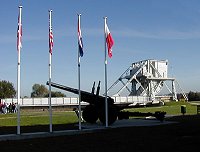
[(141, 29)]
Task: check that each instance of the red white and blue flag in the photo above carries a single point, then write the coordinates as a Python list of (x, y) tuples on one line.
[(50, 35), (50, 40), (80, 42), (109, 41), (19, 33)]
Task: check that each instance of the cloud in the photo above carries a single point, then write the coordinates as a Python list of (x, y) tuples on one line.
[(151, 34), (7, 39), (171, 34), (161, 34)]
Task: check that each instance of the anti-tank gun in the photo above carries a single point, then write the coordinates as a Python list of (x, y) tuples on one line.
[(96, 105)]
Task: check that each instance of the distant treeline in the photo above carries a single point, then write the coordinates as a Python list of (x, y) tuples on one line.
[(193, 96)]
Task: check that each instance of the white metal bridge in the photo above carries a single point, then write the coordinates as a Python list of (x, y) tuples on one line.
[(146, 78)]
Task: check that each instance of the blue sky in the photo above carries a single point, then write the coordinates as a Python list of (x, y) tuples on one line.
[(141, 29)]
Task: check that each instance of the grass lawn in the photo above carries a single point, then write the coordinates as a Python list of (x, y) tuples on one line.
[(171, 108), (28, 118)]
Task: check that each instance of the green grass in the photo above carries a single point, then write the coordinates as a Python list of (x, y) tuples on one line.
[(38, 118), (171, 108), (28, 118)]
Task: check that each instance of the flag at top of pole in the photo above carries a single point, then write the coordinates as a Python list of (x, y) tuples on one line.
[(19, 30), (50, 34), (19, 46), (50, 58), (109, 40), (80, 42), (80, 54)]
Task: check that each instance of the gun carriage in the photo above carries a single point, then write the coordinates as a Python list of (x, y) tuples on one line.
[(96, 105)]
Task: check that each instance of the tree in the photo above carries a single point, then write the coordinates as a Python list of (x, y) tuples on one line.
[(56, 94), (7, 89), (194, 96), (42, 91), (39, 90)]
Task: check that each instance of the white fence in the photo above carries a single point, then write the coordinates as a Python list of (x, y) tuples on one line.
[(72, 101), (44, 101), (131, 99)]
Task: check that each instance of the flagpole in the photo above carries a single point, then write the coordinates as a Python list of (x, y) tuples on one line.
[(106, 102), (79, 80), (18, 69), (50, 58)]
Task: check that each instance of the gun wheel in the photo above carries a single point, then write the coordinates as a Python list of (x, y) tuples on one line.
[(112, 115), (89, 114)]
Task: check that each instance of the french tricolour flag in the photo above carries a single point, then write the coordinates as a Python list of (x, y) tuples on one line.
[(19, 33), (80, 43)]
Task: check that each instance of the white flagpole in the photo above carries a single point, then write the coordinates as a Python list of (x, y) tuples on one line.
[(106, 102), (18, 69), (79, 80), (50, 58)]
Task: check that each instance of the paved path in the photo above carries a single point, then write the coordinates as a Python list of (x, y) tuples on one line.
[(87, 128)]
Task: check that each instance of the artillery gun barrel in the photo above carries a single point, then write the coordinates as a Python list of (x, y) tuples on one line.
[(85, 96), (62, 87), (98, 88), (93, 88)]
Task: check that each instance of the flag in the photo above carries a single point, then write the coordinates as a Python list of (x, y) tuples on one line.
[(50, 35), (80, 43), (50, 40), (109, 41), (19, 33)]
